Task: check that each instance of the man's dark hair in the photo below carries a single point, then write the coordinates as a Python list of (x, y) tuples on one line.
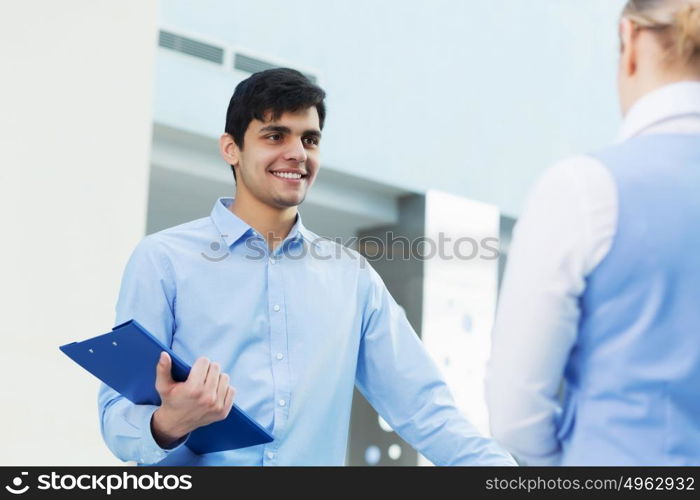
[(274, 91)]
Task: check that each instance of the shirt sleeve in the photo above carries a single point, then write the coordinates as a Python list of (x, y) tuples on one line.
[(565, 230), (147, 295), (399, 379)]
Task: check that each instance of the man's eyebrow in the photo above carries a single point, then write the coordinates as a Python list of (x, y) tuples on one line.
[(281, 129), (276, 128), (312, 132)]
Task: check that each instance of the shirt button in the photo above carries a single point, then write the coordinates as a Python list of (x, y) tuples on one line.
[(270, 455), (280, 355), (273, 261), (277, 307), (282, 402)]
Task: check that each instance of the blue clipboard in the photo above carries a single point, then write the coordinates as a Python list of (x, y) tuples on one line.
[(125, 359)]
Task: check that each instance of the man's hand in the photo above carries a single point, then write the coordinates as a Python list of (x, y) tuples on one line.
[(205, 397)]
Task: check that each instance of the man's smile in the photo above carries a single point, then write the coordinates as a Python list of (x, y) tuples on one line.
[(290, 175)]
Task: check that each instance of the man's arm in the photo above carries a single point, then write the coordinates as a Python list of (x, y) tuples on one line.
[(147, 295), (401, 381), (563, 233)]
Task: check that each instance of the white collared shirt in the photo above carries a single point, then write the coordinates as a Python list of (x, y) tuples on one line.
[(564, 232)]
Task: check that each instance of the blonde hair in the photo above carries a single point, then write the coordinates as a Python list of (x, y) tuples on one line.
[(676, 23)]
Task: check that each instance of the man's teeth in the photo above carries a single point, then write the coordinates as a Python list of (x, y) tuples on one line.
[(287, 175)]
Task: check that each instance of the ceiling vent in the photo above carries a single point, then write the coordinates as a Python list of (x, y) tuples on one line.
[(191, 47), (216, 54), (248, 64)]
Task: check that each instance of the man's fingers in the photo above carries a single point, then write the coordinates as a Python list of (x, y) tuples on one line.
[(221, 391), (228, 401), (222, 388), (212, 381), (198, 372)]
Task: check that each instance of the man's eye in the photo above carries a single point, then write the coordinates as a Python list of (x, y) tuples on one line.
[(311, 141), (275, 137)]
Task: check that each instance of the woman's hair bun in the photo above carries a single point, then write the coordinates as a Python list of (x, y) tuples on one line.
[(687, 25)]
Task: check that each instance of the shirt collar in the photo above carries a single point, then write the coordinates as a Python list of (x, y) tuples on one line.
[(668, 102), (232, 228), (299, 232)]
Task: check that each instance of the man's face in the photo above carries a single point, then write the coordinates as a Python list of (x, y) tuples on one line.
[(280, 158)]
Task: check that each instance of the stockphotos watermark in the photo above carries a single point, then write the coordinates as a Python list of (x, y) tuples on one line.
[(101, 482), (371, 248)]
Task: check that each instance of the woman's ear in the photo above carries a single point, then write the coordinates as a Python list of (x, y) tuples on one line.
[(628, 41), (229, 150)]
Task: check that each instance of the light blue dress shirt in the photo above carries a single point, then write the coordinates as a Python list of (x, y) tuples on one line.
[(295, 330)]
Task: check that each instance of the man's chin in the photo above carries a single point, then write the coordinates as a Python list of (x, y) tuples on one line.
[(289, 201)]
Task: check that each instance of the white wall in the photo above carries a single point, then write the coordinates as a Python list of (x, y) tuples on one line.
[(75, 127)]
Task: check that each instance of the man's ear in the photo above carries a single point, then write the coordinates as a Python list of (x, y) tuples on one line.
[(229, 149), (629, 35)]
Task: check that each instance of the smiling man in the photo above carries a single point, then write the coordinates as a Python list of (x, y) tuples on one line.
[(266, 306)]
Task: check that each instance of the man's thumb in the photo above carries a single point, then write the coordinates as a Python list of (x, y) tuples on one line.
[(163, 375)]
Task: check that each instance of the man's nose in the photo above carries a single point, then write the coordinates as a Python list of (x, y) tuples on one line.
[(296, 152)]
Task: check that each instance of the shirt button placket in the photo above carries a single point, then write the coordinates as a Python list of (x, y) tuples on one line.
[(278, 352)]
